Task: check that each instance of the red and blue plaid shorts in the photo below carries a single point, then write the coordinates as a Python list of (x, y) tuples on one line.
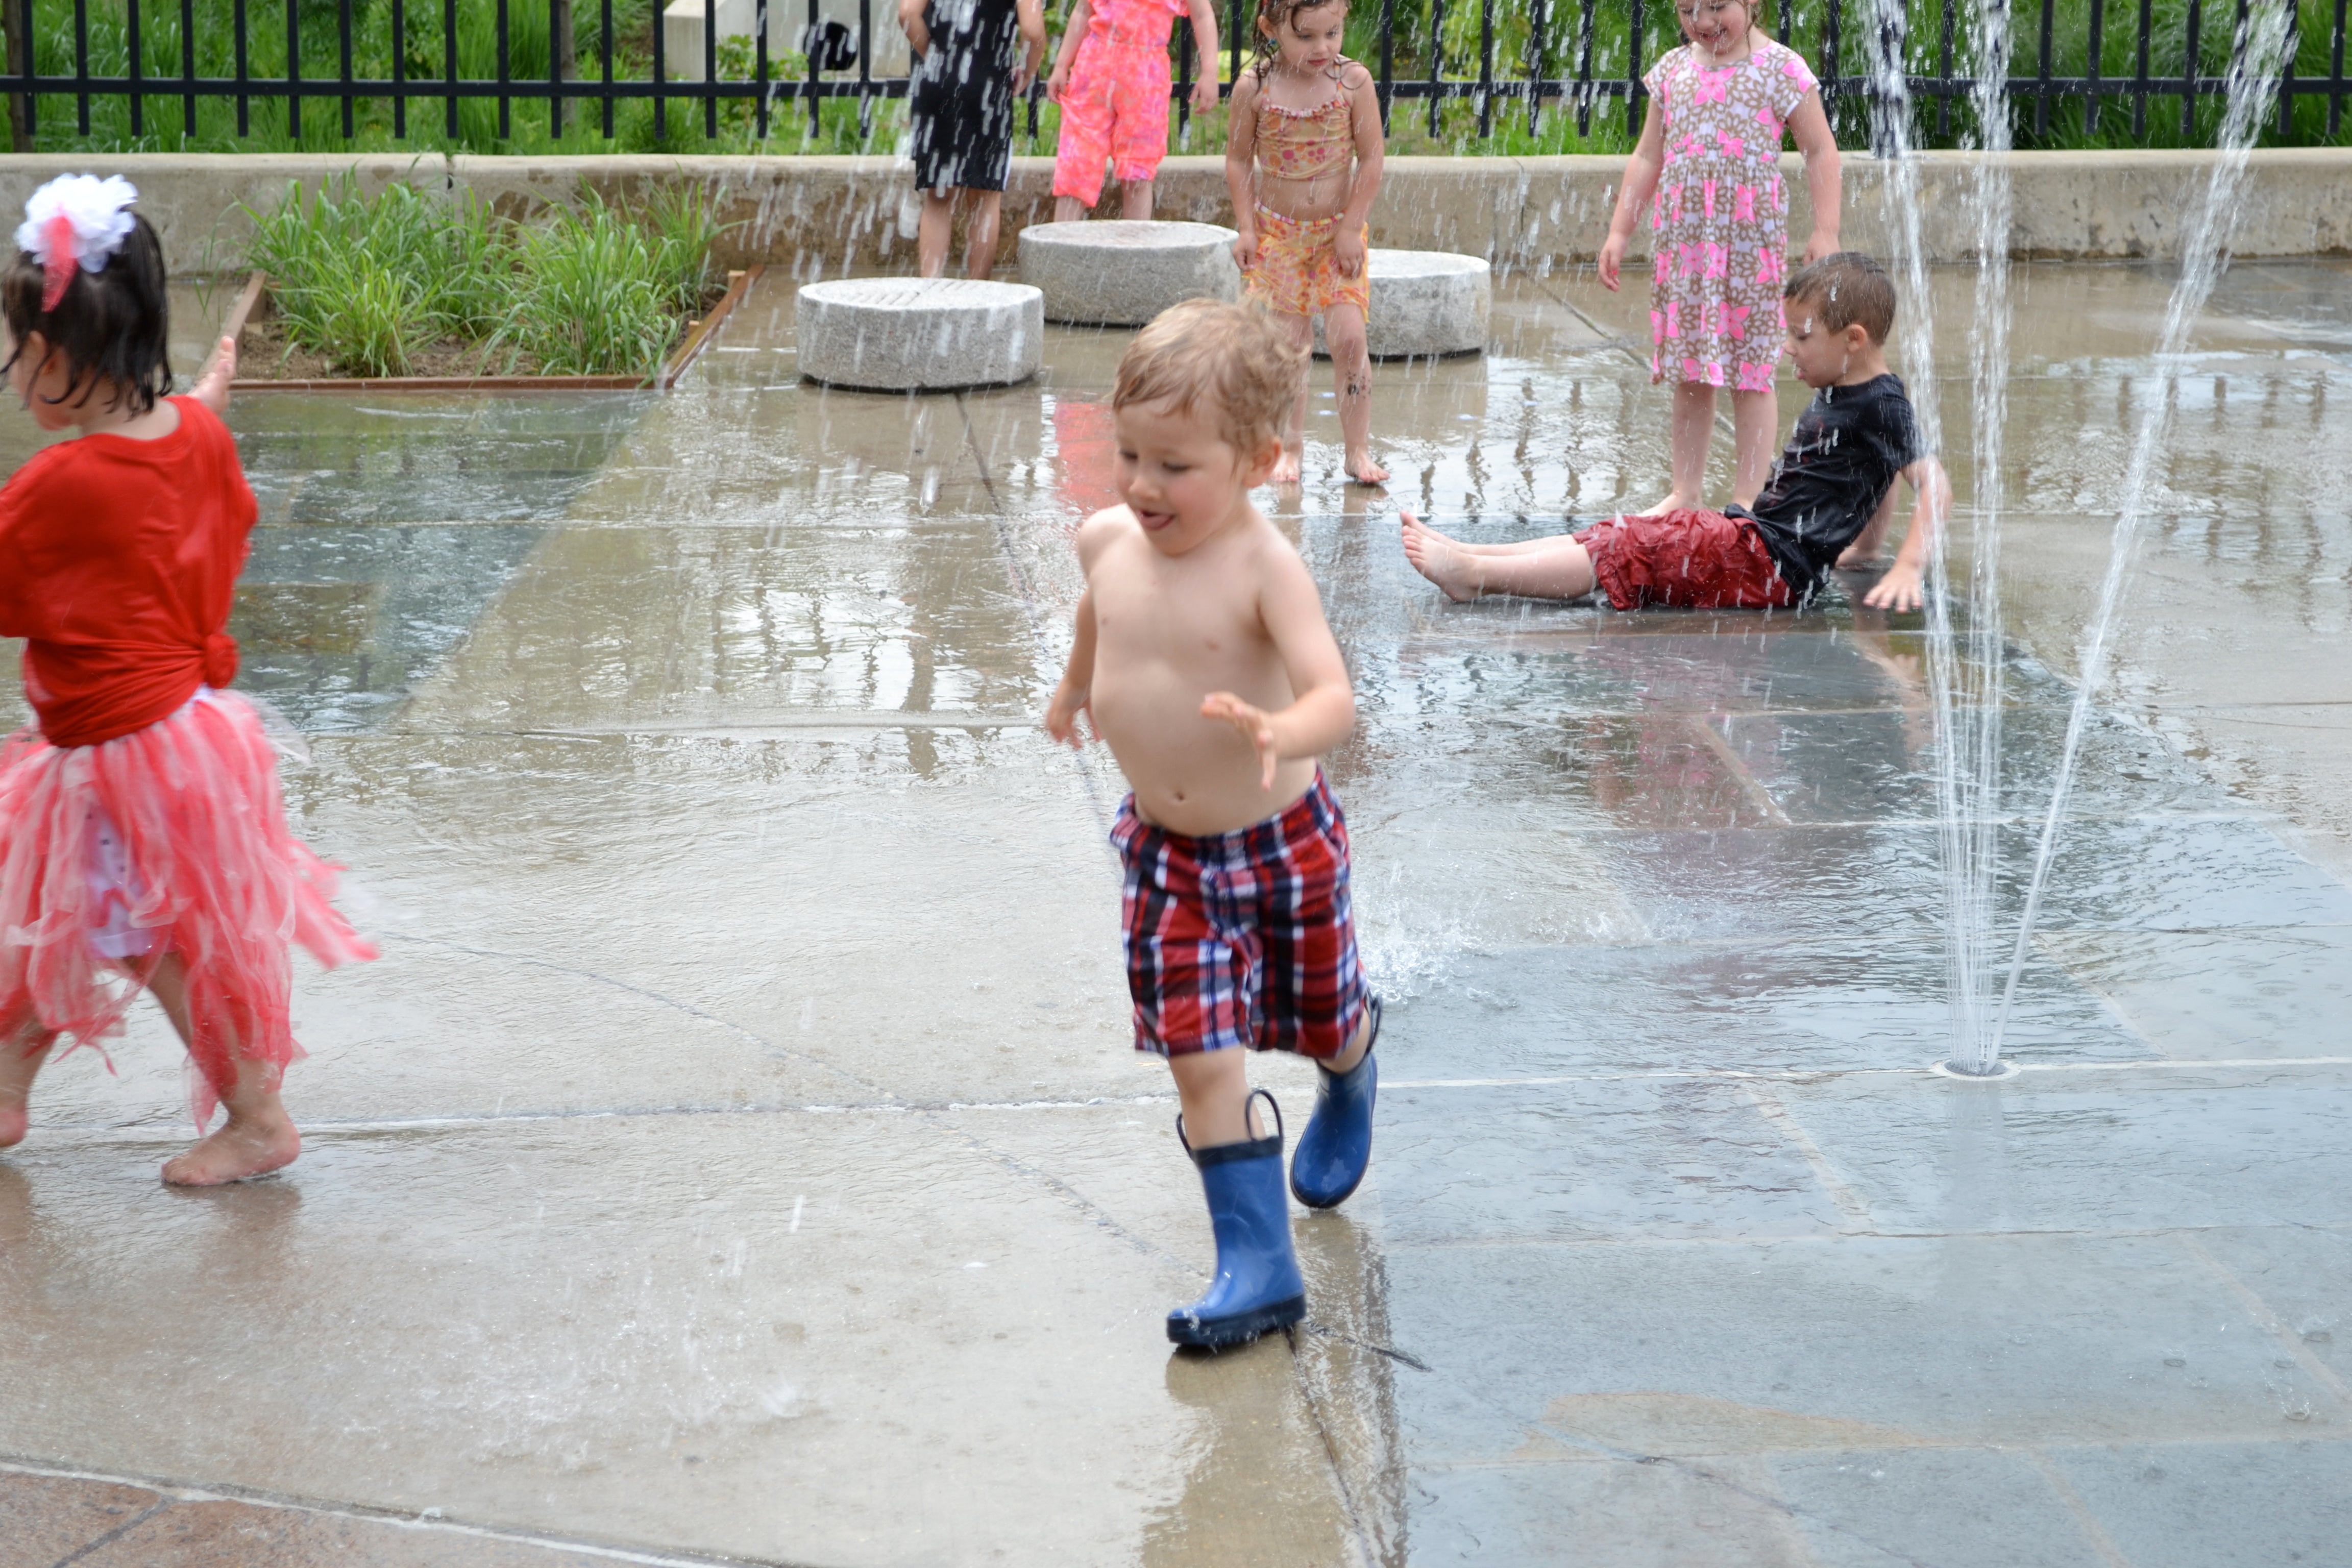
[(1243, 938)]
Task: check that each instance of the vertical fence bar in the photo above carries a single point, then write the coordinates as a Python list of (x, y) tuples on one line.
[(1184, 85), (814, 49), (559, 15), (606, 50), (1485, 68), (1388, 52), (187, 65), (2336, 74), (293, 69), (2090, 68), (661, 74), (399, 68), (1584, 67), (82, 62), (138, 67), (32, 70), (710, 68), (1234, 31), (1832, 18), (243, 103), (759, 71), (1537, 16), (506, 71), (1944, 74), (1889, 110), (2287, 70), (448, 66), (2189, 68), (1634, 91), (2042, 98), (865, 72), (1437, 62), (343, 43), (2139, 69)]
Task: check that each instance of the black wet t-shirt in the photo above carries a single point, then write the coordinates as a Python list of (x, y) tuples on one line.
[(1850, 445)]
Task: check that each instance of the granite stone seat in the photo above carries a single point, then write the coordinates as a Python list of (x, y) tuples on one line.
[(918, 334), (1424, 303), (1118, 273)]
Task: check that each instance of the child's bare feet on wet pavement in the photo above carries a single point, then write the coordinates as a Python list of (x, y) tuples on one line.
[(19, 1061), (1440, 559), (1364, 471), (252, 1143)]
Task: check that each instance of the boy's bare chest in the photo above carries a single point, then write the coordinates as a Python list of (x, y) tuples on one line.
[(1189, 620)]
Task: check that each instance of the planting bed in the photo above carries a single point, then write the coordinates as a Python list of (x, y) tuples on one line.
[(446, 363)]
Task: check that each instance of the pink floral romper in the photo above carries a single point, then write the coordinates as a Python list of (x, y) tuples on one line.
[(1721, 217)]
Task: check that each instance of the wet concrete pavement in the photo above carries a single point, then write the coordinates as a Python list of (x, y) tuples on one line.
[(738, 1153)]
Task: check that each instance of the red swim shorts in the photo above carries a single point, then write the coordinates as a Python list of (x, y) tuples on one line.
[(1243, 938), (1702, 560)]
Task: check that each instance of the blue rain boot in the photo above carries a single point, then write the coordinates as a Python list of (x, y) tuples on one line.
[(1257, 1288), (1337, 1147)]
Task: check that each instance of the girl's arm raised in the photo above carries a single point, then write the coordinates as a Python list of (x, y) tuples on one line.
[(1371, 152), (1810, 125), (1074, 33), (1640, 183), (1241, 179)]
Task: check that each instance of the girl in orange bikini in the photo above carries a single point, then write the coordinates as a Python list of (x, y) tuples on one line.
[(1303, 163)]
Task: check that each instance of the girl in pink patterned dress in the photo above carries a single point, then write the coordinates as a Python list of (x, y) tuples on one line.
[(1708, 168)]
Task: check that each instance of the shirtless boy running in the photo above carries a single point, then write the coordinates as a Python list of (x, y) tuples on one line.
[(1204, 661)]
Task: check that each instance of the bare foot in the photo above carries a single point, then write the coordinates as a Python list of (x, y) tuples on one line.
[(1437, 558), (1672, 503), (1286, 469), (1364, 471), (251, 1145), (19, 1064)]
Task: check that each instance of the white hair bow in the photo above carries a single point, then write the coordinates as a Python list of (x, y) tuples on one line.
[(76, 221)]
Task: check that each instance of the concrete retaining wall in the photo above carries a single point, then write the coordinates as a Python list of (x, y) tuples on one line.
[(821, 217)]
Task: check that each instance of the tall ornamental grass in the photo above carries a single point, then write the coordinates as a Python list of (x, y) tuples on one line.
[(370, 283)]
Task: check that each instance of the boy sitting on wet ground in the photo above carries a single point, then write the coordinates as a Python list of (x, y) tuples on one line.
[(1828, 504), (1202, 658)]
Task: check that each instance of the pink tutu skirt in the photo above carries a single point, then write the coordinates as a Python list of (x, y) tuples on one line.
[(170, 839)]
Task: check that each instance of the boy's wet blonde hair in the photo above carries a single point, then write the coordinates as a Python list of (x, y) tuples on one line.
[(1235, 356)]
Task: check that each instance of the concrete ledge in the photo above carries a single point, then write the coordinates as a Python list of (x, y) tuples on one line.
[(823, 218)]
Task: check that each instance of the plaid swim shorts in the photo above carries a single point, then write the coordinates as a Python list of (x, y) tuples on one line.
[(1243, 938)]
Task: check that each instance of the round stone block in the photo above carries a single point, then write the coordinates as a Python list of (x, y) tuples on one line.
[(1118, 273), (1424, 302), (918, 334)]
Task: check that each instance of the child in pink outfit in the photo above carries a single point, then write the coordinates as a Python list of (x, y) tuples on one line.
[(1708, 168), (1111, 78)]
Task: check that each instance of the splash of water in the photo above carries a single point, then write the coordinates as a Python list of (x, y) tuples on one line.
[(1964, 646), (2257, 59)]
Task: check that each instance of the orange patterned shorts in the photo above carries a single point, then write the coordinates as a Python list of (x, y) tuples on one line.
[(1297, 271)]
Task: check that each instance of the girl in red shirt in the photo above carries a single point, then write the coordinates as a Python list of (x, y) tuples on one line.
[(142, 844)]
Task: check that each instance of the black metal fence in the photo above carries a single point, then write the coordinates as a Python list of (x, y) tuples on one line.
[(1551, 65)]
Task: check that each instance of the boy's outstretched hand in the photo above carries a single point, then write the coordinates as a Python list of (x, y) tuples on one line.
[(1254, 725), (1898, 590), (1062, 717), (212, 387)]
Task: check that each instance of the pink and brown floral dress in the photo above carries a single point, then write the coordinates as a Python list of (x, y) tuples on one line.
[(1721, 217)]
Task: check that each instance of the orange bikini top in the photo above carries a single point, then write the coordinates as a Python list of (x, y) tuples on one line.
[(1305, 143)]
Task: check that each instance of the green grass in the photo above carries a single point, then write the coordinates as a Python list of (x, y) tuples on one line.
[(882, 128), (597, 292)]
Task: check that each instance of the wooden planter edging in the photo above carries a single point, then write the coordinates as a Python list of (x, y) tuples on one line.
[(697, 338)]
